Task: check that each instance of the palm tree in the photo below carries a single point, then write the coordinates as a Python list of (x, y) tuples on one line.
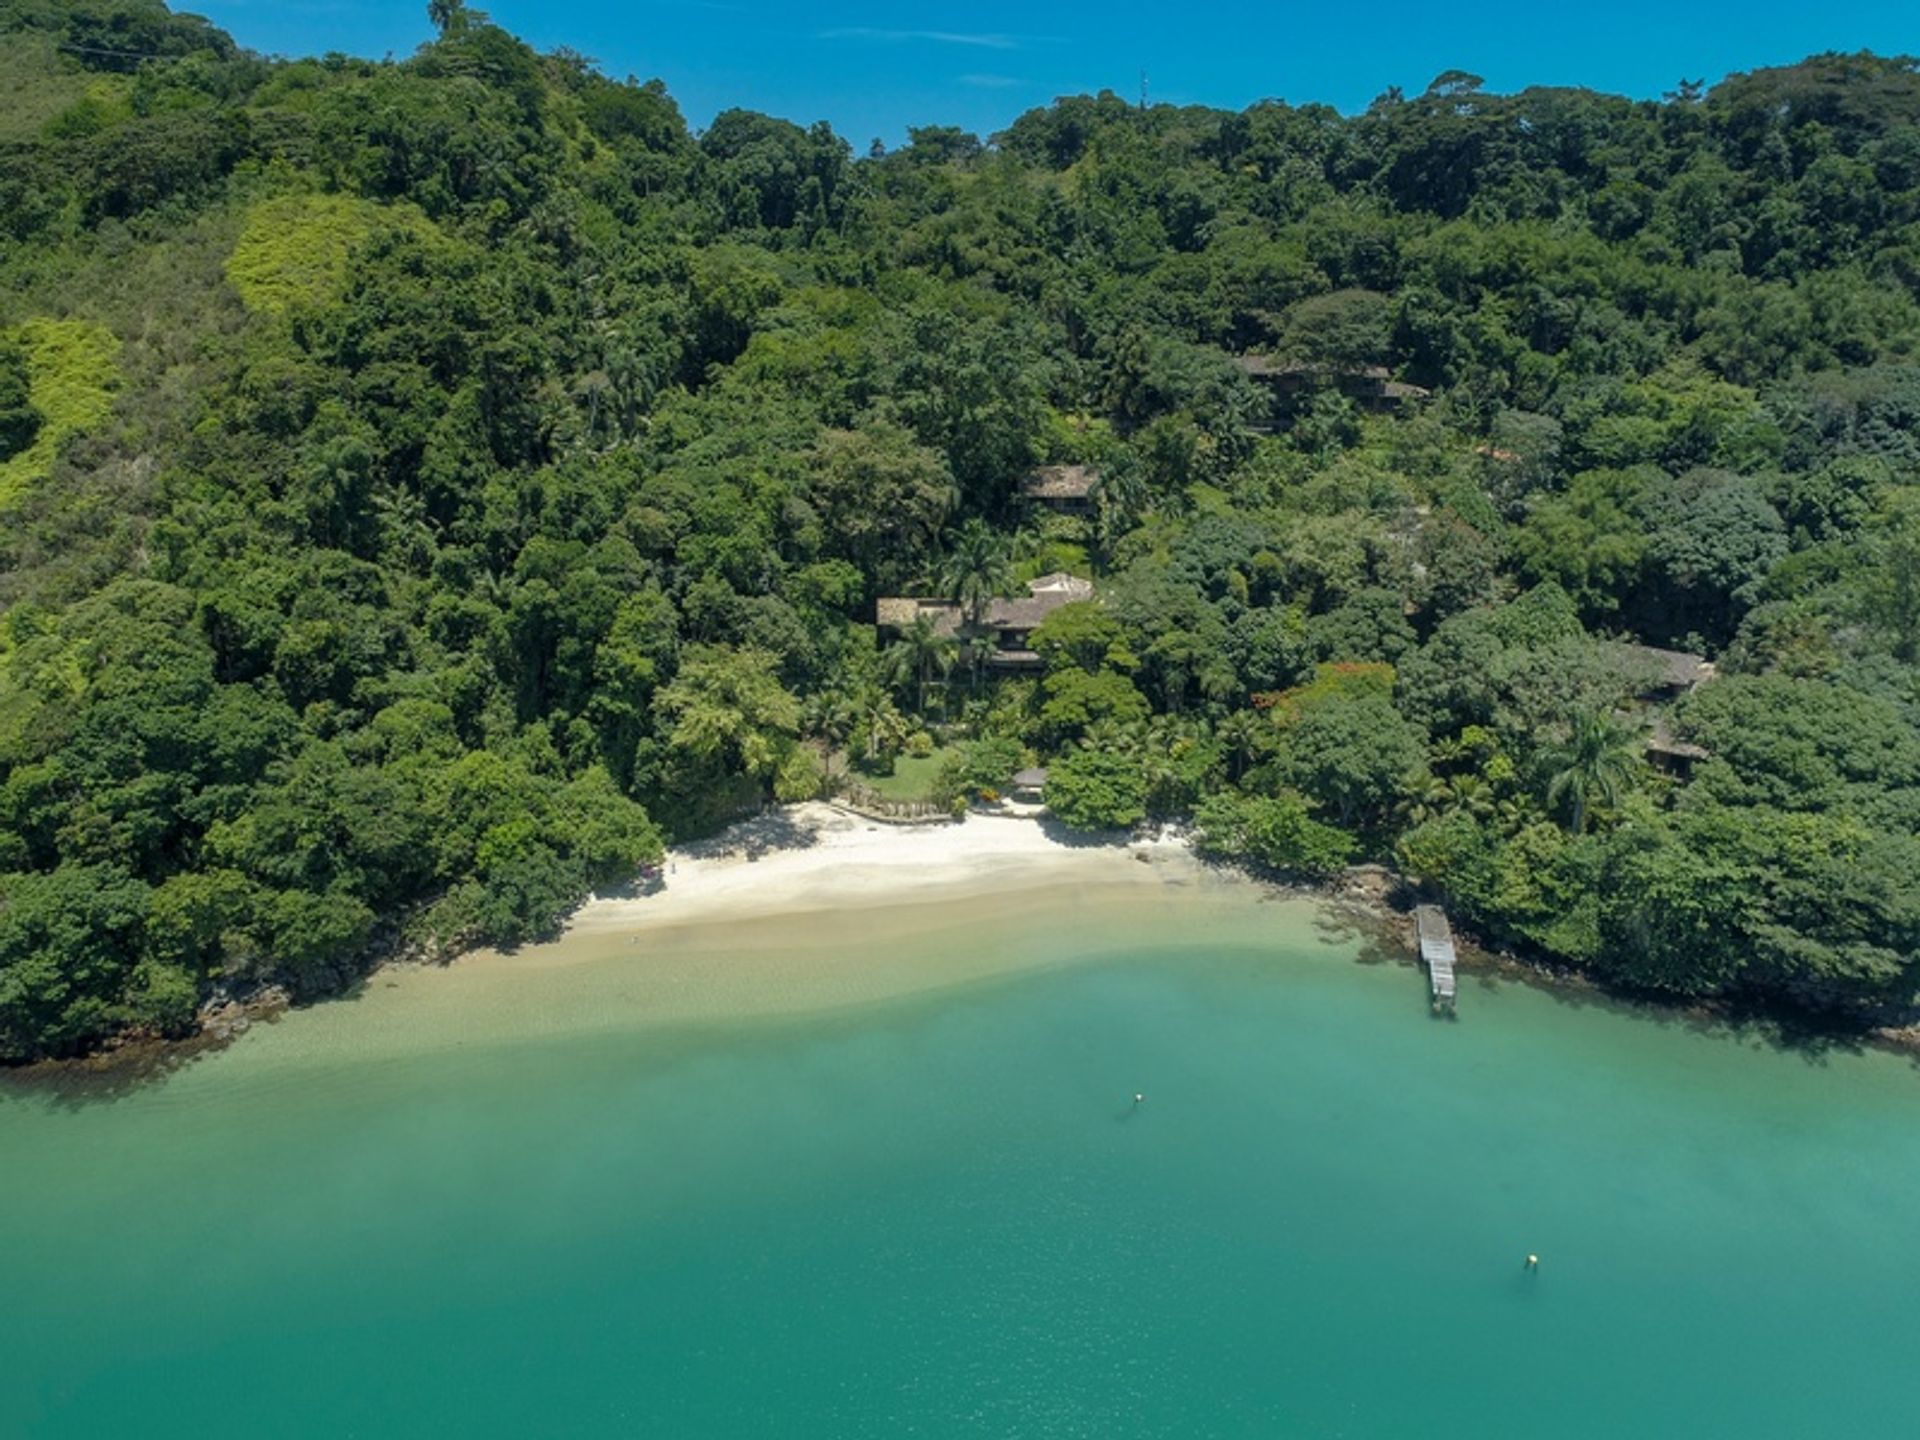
[(1471, 795), (1596, 763), (1429, 799), (452, 17), (405, 528), (883, 728), (1248, 735), (1120, 496), (832, 715), (978, 647), (975, 569), (921, 652), (973, 572)]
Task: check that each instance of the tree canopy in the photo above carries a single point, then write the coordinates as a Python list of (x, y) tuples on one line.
[(427, 485)]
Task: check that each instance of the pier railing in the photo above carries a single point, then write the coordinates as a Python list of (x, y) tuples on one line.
[(1436, 953)]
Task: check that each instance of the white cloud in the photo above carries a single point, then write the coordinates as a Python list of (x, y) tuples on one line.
[(928, 37)]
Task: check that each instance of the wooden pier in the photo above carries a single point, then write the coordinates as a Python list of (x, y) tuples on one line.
[(1436, 953)]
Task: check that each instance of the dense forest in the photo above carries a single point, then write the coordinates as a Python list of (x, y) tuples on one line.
[(428, 486)]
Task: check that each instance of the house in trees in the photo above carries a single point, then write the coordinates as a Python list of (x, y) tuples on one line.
[(1007, 624), (1661, 678), (1372, 387), (1065, 489)]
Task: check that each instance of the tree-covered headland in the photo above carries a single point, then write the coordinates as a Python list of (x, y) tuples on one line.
[(426, 486)]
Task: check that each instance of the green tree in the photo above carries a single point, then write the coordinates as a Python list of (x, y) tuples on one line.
[(976, 568), (1074, 702), (1097, 788), (19, 421), (68, 943), (1589, 539), (1083, 635), (880, 730), (921, 654), (1354, 754), (1894, 603), (882, 498), (729, 707), (1275, 831), (982, 767), (1593, 767), (974, 571)]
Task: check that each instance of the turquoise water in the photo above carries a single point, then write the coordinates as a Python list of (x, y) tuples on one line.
[(940, 1215)]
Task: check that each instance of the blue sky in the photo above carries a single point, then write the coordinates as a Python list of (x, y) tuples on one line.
[(873, 69)]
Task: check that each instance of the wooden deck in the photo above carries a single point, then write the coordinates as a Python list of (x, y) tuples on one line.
[(1436, 953)]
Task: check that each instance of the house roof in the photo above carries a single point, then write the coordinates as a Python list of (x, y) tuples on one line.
[(1031, 778), (1261, 366), (1061, 583), (898, 612), (1060, 482), (1048, 594), (1673, 669), (1662, 741)]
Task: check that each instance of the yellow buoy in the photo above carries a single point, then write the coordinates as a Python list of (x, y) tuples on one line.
[(1533, 1262)]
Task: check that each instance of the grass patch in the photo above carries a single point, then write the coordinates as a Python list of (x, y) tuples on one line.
[(37, 86), (72, 372), (296, 249), (912, 777)]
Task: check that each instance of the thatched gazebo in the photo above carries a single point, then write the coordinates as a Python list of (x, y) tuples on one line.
[(1029, 785)]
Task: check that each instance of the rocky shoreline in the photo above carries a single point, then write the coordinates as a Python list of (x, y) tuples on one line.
[(1374, 900)]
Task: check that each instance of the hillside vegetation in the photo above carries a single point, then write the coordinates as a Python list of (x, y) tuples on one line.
[(427, 485)]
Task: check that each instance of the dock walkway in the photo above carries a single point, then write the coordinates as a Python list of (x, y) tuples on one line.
[(1436, 953)]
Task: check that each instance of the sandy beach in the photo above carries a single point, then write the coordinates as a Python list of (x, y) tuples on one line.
[(802, 909), (808, 858)]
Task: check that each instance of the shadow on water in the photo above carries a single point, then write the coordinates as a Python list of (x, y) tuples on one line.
[(1754, 1027), (1384, 936), (114, 1075), (142, 1063), (146, 1064)]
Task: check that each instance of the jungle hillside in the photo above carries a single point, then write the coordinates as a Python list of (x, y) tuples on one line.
[(427, 487)]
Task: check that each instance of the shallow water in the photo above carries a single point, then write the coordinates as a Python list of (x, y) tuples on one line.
[(533, 1197)]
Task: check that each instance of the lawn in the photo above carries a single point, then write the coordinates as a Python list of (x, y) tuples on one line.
[(912, 778)]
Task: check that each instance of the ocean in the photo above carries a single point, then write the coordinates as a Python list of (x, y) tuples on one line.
[(606, 1191)]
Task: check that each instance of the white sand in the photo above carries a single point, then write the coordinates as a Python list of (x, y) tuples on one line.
[(802, 910), (813, 857)]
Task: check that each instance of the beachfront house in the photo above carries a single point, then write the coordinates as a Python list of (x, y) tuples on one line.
[(1008, 623)]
